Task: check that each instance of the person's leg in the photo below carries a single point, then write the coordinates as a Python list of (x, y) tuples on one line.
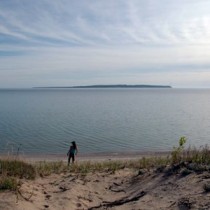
[(73, 158), (69, 158)]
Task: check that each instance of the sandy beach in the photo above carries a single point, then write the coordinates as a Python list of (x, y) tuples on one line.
[(124, 189), (86, 157)]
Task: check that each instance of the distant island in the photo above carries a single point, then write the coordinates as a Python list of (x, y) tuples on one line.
[(113, 86)]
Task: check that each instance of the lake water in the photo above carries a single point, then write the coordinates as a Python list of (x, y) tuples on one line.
[(45, 121)]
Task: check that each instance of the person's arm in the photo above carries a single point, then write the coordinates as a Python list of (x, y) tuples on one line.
[(76, 150)]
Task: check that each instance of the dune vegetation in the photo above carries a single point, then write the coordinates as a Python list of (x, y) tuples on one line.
[(13, 171)]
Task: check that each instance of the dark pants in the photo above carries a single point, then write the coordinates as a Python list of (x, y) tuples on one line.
[(71, 156)]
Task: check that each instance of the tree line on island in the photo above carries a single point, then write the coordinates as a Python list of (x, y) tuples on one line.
[(112, 86)]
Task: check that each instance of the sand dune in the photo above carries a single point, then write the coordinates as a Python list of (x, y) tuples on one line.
[(124, 190)]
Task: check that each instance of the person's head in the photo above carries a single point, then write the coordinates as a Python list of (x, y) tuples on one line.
[(74, 143)]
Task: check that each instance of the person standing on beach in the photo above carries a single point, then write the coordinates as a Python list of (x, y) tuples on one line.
[(73, 150)]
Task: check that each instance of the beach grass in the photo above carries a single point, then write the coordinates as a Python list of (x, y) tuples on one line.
[(16, 168), (195, 160), (45, 168), (199, 159), (11, 171), (8, 183)]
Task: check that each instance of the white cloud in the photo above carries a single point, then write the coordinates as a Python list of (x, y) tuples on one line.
[(85, 42)]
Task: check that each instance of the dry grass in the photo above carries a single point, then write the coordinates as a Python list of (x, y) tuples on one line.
[(13, 170), (17, 168)]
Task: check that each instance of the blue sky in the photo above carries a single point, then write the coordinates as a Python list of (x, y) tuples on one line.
[(69, 42)]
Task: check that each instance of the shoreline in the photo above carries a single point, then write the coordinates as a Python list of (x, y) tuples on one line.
[(85, 157)]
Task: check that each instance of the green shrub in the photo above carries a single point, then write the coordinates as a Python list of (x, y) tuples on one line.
[(177, 151), (8, 183)]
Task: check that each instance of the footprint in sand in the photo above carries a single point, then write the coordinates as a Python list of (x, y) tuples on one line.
[(48, 196), (79, 204)]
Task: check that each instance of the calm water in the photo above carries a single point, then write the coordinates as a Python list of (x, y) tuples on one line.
[(44, 121)]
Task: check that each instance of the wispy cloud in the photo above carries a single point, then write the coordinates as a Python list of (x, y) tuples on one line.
[(106, 22), (75, 42)]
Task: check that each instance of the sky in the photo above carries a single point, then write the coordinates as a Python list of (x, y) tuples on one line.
[(88, 42)]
